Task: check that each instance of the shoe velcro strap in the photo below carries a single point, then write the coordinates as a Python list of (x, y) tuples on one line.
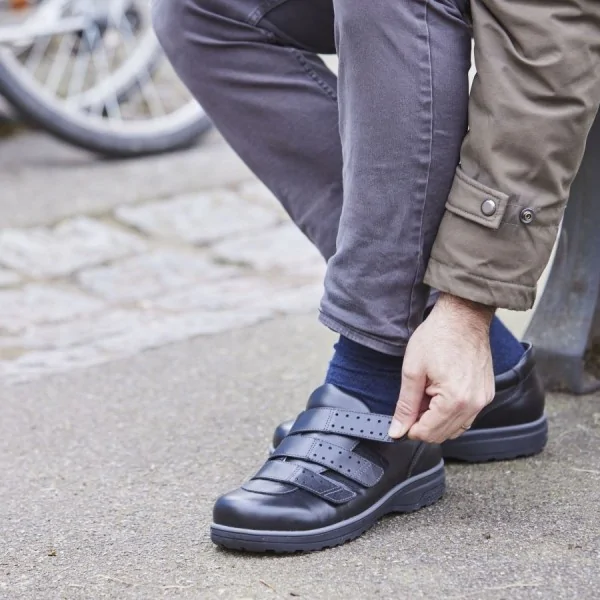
[(366, 426), (286, 472), (347, 463)]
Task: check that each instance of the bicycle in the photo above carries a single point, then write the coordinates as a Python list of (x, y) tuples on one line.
[(92, 72)]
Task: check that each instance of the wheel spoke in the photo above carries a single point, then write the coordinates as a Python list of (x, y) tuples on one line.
[(105, 79), (37, 53), (153, 99), (101, 63), (59, 64), (78, 74), (146, 84)]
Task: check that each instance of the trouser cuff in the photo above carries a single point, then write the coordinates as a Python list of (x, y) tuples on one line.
[(360, 337)]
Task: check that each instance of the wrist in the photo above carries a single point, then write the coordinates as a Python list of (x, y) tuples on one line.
[(475, 313)]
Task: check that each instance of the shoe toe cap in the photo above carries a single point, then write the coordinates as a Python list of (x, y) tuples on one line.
[(293, 510)]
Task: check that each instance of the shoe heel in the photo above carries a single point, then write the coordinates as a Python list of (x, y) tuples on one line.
[(425, 490)]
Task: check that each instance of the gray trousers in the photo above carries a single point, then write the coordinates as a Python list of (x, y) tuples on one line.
[(362, 163)]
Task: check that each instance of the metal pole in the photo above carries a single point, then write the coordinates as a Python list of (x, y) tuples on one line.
[(561, 327)]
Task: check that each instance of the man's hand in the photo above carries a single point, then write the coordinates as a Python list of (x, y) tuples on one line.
[(447, 375)]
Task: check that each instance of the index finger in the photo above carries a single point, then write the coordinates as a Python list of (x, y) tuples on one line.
[(440, 422), (412, 391)]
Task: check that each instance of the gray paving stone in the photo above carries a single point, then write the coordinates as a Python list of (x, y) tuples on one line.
[(243, 293), (82, 183), (46, 362), (72, 245), (7, 372), (147, 275), (151, 330), (8, 278), (258, 193), (283, 248), (108, 336), (297, 300), (83, 331), (36, 303), (199, 218), (227, 304)]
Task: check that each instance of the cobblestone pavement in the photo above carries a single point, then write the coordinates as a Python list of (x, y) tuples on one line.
[(103, 259), (114, 278)]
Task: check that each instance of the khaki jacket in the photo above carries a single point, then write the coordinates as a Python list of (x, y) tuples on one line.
[(532, 104)]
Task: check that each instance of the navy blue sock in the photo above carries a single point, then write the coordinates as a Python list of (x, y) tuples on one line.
[(375, 377), (506, 348), (366, 374)]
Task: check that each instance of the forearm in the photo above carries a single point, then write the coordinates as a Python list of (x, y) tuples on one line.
[(532, 104)]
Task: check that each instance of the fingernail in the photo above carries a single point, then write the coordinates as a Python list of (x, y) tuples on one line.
[(397, 430)]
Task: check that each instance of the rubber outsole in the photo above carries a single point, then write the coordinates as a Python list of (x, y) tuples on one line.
[(498, 443), (411, 495)]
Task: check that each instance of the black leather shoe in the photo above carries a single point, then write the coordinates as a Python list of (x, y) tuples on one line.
[(513, 425), (332, 477)]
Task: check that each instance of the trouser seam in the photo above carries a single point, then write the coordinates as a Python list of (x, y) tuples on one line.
[(424, 203), (297, 54), (312, 73), (261, 10)]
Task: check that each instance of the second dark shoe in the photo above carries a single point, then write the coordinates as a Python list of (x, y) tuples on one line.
[(335, 474), (513, 425)]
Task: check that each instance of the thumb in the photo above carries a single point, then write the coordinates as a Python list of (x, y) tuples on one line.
[(412, 390)]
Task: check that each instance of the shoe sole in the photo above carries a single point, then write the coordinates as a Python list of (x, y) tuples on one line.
[(498, 443), (411, 495)]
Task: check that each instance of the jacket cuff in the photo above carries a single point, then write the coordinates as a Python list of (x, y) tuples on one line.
[(455, 280), (492, 247)]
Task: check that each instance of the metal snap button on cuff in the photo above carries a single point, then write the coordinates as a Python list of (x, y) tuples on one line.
[(488, 207), (526, 216)]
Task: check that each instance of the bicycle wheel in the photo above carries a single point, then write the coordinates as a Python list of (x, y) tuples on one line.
[(93, 73)]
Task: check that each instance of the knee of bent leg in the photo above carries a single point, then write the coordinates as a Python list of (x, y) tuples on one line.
[(358, 17), (178, 23), (191, 32)]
